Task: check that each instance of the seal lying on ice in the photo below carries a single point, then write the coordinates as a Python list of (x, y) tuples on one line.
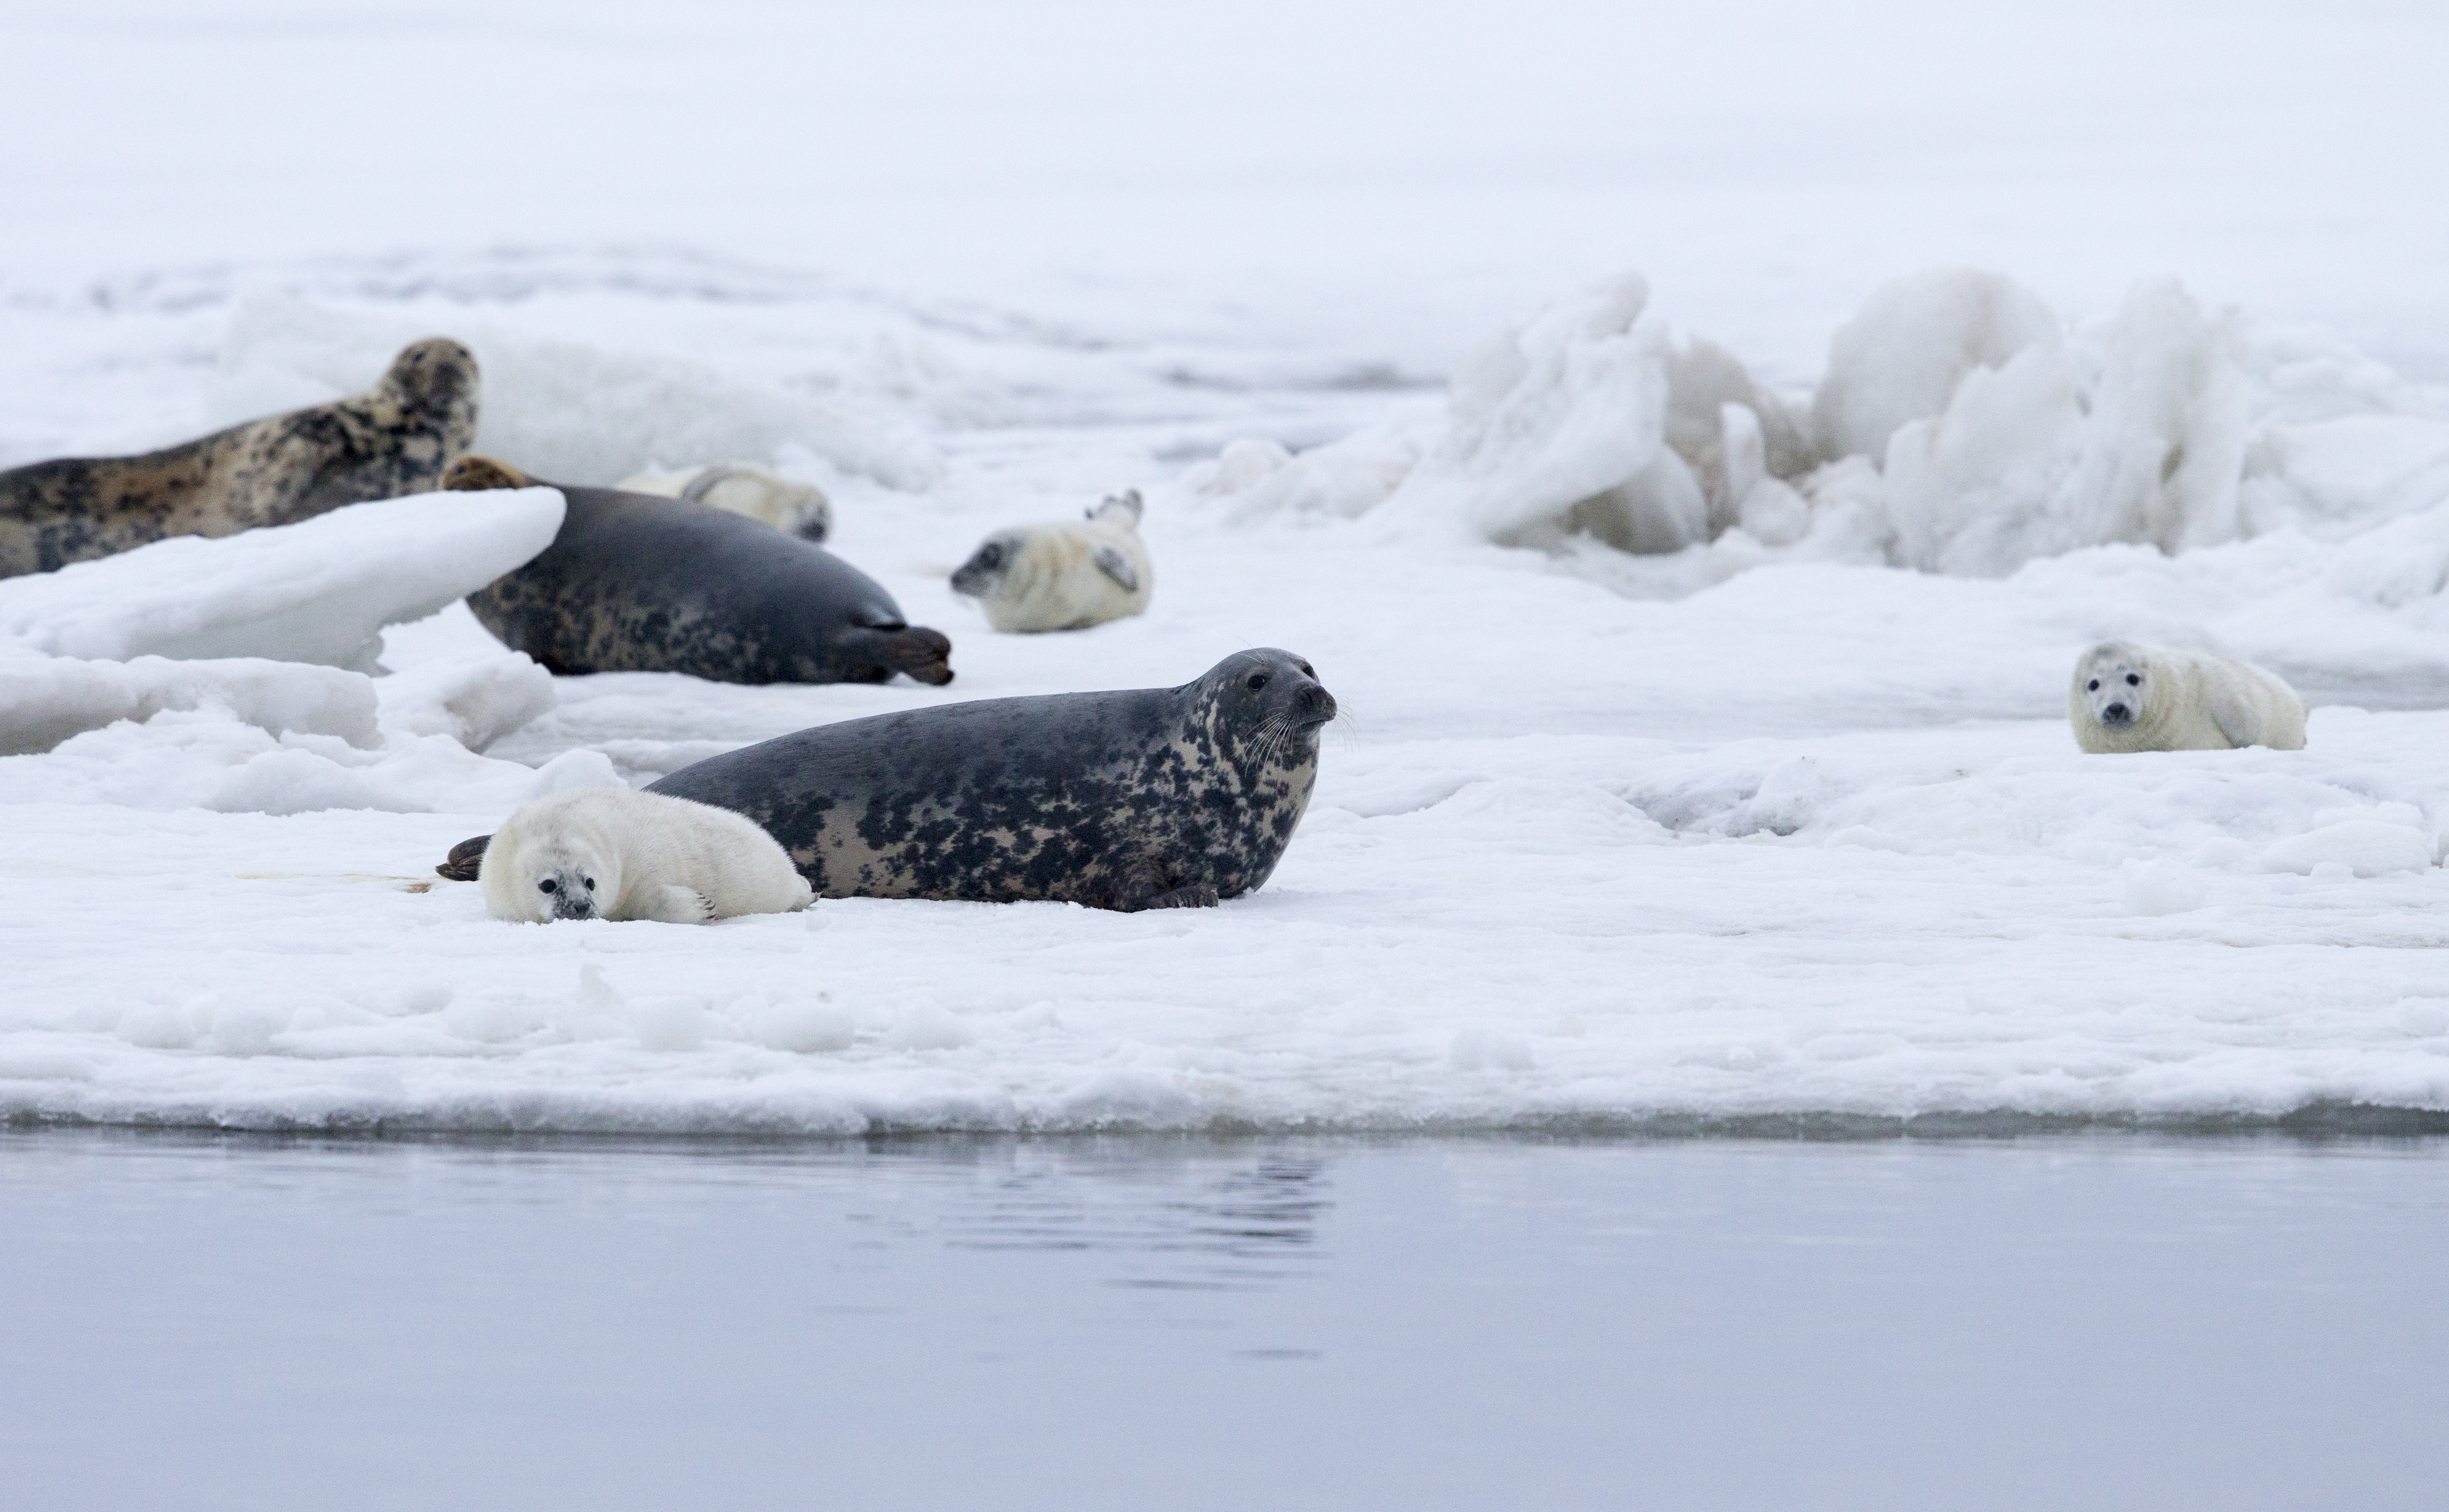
[(639, 583), (395, 439), (1068, 575), (2129, 696), (1149, 798), (743, 488), (613, 853)]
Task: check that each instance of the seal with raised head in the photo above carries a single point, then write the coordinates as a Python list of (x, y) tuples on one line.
[(636, 582), (393, 440), (1146, 798)]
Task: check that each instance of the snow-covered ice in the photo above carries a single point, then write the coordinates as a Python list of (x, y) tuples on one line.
[(1695, 488)]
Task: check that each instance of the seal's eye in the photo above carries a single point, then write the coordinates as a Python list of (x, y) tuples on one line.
[(546, 886), (590, 883), (1258, 680), (2094, 686), (2133, 680), (990, 556), (1307, 670)]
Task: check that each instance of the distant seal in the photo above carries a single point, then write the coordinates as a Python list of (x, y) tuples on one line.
[(2129, 696), (639, 583), (618, 854), (395, 439), (1149, 798), (743, 488), (1066, 575)]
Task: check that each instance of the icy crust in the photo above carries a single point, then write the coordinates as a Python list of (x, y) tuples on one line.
[(320, 591), (46, 700), (1489, 934), (1959, 428)]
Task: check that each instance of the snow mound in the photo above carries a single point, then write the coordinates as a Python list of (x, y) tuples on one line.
[(45, 701), (476, 699), (571, 412), (1960, 428), (318, 591)]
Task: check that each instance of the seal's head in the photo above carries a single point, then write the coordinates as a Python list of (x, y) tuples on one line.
[(2115, 683), (1264, 707), (991, 565), (555, 876), (434, 378)]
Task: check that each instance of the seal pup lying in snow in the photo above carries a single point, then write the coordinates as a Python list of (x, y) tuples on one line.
[(1144, 799), (393, 440), (614, 854), (2130, 696), (742, 487), (639, 583), (1066, 575)]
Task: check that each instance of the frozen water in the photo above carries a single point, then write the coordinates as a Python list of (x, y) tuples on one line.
[(1689, 770)]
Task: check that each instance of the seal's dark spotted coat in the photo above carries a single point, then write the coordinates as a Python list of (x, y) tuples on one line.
[(636, 582), (1158, 797), (393, 440)]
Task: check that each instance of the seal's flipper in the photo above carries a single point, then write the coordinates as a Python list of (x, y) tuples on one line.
[(926, 655), (679, 904), (1112, 562), (1198, 896), (472, 475), (1126, 503), (465, 857)]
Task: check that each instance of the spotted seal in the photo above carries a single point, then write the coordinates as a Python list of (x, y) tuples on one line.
[(395, 439), (636, 582), (1149, 798)]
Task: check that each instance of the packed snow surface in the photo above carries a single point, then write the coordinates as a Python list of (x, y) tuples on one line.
[(1695, 496)]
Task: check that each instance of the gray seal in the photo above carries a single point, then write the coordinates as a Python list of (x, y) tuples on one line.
[(638, 582), (1149, 798), (395, 439)]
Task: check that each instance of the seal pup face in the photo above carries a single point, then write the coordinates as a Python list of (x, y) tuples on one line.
[(1265, 708), (990, 566), (562, 877), (2114, 681)]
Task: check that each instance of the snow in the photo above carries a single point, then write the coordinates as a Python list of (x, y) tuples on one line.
[(318, 591), (1698, 578)]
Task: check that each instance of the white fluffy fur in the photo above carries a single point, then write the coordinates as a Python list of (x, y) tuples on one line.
[(2175, 700), (1063, 575), (648, 856), (787, 505)]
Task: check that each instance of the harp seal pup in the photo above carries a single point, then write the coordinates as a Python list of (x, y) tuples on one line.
[(1065, 575), (395, 439), (639, 583), (742, 487), (618, 854), (2130, 696), (1144, 799)]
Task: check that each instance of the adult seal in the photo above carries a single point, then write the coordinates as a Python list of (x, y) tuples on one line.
[(1149, 798), (395, 439), (636, 582)]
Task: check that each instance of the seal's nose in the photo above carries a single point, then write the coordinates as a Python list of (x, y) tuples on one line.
[(2116, 714), (1315, 705)]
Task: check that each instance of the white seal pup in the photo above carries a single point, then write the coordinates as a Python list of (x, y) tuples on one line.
[(1064, 575), (617, 854), (742, 487), (2130, 696)]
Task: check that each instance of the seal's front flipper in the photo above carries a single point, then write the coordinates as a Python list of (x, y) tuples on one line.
[(679, 904), (1198, 896), (465, 857)]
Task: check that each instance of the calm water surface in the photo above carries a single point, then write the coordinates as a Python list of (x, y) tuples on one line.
[(2091, 1322)]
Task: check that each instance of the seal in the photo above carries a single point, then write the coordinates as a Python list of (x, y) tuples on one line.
[(1147, 798), (2128, 696), (743, 488), (1066, 575), (395, 439), (635, 582), (614, 854)]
